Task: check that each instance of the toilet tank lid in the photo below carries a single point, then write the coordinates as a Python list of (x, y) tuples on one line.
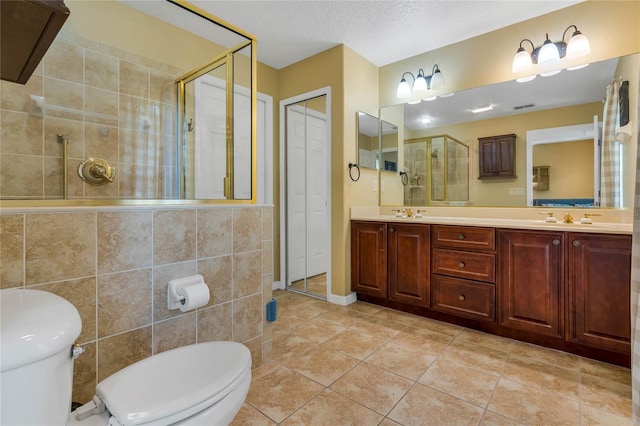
[(34, 325), (172, 385)]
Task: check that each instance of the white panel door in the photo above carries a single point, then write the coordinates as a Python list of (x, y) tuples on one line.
[(210, 141), (296, 194), (317, 163)]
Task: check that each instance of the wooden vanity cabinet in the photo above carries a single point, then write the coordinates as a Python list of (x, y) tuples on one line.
[(599, 290), (409, 263), (463, 265), (496, 156), (530, 278), (369, 258)]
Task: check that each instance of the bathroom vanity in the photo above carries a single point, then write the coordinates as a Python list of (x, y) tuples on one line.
[(564, 287)]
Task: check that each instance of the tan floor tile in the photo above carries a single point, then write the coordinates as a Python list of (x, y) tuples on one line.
[(397, 316), (492, 419), (469, 384), (281, 392), (286, 346), (606, 371), (592, 416), (355, 344), (532, 406), (288, 319), (365, 308), (425, 406), (439, 327), (317, 330), (388, 422), (543, 376), (474, 337), (406, 362), (325, 366), (372, 387), (433, 345), (344, 317), (250, 416), (331, 408), (313, 307), (264, 369), (381, 328), (475, 356), (548, 356), (606, 395)]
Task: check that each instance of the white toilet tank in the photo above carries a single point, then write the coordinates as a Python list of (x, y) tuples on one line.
[(37, 332)]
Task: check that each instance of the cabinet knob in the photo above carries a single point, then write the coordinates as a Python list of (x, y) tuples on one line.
[(461, 297), (461, 236), (556, 242), (577, 243), (391, 230), (461, 264)]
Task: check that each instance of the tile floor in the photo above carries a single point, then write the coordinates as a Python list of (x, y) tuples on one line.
[(367, 365), (315, 285)]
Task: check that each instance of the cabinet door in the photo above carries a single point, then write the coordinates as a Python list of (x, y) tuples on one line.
[(369, 258), (599, 287), (496, 157), (530, 281), (409, 263)]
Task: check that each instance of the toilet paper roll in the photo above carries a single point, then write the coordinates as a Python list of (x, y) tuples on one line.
[(195, 296)]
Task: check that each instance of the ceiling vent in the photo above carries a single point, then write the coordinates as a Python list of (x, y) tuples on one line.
[(523, 106)]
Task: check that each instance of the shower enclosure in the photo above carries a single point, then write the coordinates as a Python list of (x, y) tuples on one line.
[(438, 171)]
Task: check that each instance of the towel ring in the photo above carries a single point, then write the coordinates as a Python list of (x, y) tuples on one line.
[(404, 178), (351, 167)]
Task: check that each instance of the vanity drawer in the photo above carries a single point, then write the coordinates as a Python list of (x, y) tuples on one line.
[(463, 298), (464, 237), (464, 264)]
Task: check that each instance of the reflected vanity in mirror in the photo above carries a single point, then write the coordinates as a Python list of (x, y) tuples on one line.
[(570, 98), (173, 128)]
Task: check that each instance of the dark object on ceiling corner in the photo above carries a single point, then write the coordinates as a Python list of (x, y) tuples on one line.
[(27, 29)]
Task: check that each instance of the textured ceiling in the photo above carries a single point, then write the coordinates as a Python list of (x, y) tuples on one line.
[(383, 31)]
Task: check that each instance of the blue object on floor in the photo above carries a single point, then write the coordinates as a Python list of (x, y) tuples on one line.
[(272, 310)]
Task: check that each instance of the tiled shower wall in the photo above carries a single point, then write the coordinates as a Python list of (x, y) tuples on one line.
[(111, 104), (114, 265)]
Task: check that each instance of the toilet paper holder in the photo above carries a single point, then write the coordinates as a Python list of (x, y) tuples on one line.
[(174, 299)]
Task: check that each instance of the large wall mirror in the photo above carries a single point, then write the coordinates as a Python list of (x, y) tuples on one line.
[(169, 114), (570, 98)]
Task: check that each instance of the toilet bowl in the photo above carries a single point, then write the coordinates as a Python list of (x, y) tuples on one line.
[(200, 384)]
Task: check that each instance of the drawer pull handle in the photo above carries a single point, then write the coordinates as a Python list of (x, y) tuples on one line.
[(391, 230), (461, 297), (577, 243), (556, 242), (461, 236), (461, 264)]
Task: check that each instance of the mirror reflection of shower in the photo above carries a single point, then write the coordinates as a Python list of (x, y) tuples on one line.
[(307, 191)]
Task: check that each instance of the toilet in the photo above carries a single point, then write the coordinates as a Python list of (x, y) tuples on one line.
[(200, 384)]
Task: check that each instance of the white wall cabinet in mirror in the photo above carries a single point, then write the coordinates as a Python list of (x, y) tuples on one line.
[(569, 98), (114, 95), (368, 140)]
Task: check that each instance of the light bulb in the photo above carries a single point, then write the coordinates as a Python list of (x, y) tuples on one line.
[(521, 61), (404, 91), (548, 53), (578, 46)]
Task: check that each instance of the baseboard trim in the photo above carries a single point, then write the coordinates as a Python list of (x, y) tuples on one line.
[(342, 300), (277, 285)]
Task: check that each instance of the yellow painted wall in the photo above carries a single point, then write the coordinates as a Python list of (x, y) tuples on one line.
[(568, 177)]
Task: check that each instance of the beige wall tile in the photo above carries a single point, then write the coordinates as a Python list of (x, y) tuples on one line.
[(255, 347), (11, 250), (132, 113), (100, 70), (60, 246), (64, 61), (102, 142), (124, 240), (124, 301), (217, 272), (161, 277), (16, 97), (59, 126), (162, 87), (63, 93), (53, 183), (85, 370), (21, 176), (174, 236), (215, 323), (134, 79), (247, 274), (267, 257), (267, 223), (122, 350), (247, 318), (137, 181), (175, 332), (82, 294), (247, 229), (214, 232), (20, 133), (101, 101)]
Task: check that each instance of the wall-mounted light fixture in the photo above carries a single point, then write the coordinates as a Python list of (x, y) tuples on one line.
[(421, 83), (550, 52)]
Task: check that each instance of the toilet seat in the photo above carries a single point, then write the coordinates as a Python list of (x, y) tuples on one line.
[(176, 384)]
